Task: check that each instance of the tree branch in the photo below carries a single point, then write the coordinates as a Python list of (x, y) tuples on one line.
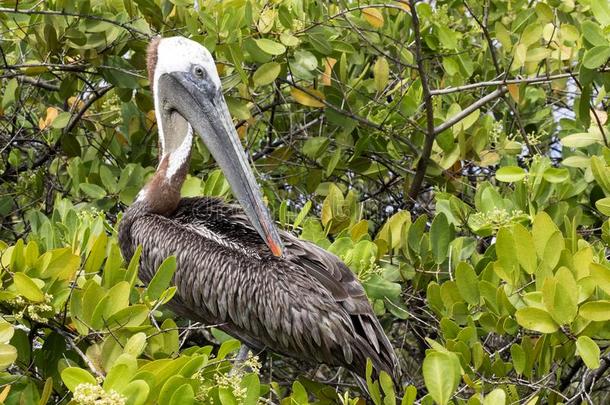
[(470, 109), (495, 83), (492, 51), (430, 134), (92, 99)]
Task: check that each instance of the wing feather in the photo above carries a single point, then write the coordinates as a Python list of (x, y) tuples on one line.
[(306, 302)]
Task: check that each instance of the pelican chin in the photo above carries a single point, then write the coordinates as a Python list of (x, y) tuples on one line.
[(265, 287)]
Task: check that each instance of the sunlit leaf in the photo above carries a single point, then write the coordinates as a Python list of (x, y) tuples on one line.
[(373, 16), (309, 98)]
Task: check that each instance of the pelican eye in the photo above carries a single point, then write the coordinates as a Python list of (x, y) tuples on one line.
[(199, 71)]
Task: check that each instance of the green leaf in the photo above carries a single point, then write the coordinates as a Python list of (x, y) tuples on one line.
[(118, 377), (373, 386), (8, 355), (543, 228), (73, 376), (536, 319), (556, 175), (560, 296), (46, 391), (523, 244), (319, 42), (10, 91), (6, 331), (601, 11), (191, 187), (440, 237), (381, 72), (595, 310), (227, 347), (388, 388), (596, 56), (603, 205), (447, 37), (162, 278), (601, 173), (601, 275), (61, 120), (288, 39), (270, 47), (134, 315), (510, 174), (251, 384), (392, 230), (302, 214), (136, 392), (304, 64), (379, 288), (593, 33), (410, 395), (441, 375), (136, 344), (25, 286), (495, 397), (238, 108), (531, 34), (467, 283), (266, 73), (97, 255), (517, 355), (507, 255), (183, 395), (92, 190), (520, 53), (588, 351), (581, 140)]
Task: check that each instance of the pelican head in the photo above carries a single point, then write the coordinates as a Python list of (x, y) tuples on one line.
[(188, 96)]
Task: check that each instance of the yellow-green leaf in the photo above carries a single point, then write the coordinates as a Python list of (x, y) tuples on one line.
[(381, 73), (266, 73), (441, 375), (495, 397), (74, 376), (270, 47), (601, 275), (373, 16), (510, 174), (603, 205), (25, 286), (588, 351), (467, 283), (8, 355), (595, 310), (162, 278), (311, 98), (560, 296), (536, 319)]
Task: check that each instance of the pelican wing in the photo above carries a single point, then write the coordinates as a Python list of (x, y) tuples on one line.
[(306, 304), (345, 289)]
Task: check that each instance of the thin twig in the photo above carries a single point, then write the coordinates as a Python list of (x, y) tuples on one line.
[(92, 99), (78, 351)]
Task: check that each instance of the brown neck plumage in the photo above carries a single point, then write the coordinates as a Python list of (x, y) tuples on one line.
[(162, 193)]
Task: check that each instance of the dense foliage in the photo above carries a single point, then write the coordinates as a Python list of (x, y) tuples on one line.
[(453, 153)]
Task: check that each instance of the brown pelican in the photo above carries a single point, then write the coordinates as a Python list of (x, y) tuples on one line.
[(234, 268)]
